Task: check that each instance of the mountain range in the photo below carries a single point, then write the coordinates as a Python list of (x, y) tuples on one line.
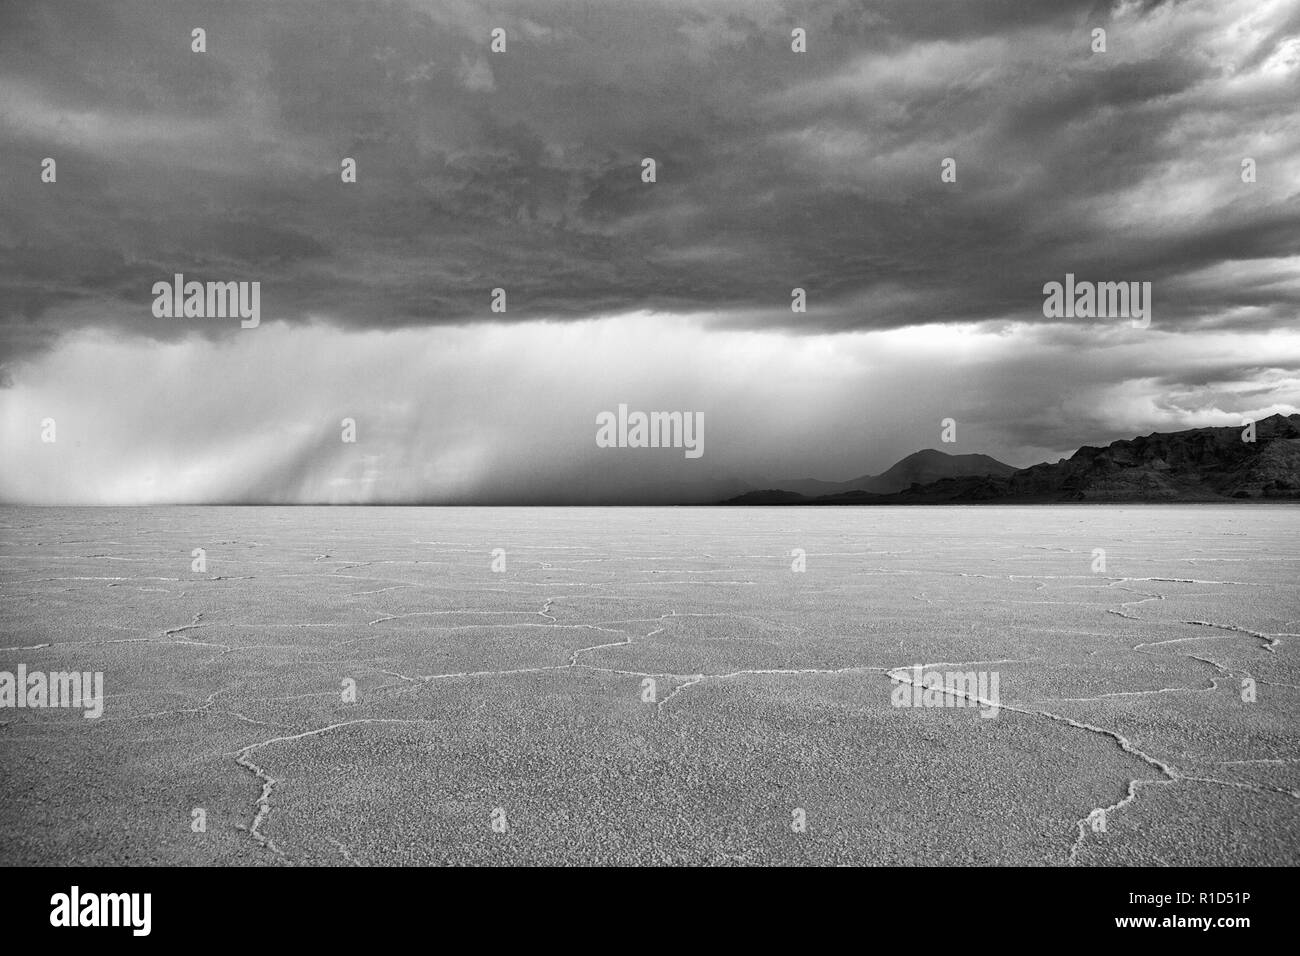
[(922, 467), (1199, 464)]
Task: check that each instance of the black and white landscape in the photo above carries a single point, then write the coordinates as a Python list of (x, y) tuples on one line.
[(522, 693), (730, 432)]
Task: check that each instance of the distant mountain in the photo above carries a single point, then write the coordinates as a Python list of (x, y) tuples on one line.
[(929, 465), (773, 496), (1200, 464), (922, 466)]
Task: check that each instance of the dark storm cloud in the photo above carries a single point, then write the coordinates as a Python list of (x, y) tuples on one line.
[(521, 170)]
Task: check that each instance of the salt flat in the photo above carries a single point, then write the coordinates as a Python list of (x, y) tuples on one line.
[(518, 695)]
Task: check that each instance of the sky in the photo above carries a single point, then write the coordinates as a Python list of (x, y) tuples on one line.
[(523, 170)]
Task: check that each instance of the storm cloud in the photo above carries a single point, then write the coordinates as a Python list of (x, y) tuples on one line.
[(521, 170)]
